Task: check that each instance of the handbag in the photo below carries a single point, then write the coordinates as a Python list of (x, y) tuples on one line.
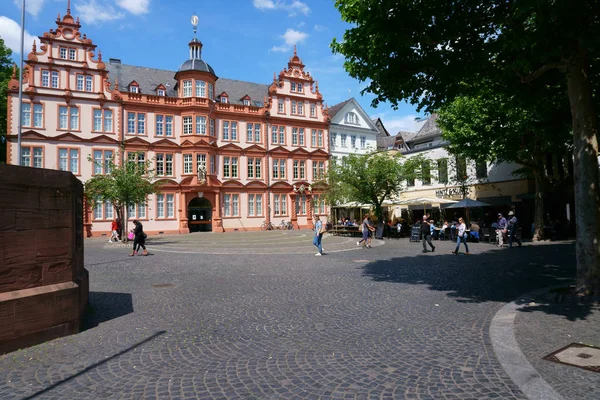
[(130, 236)]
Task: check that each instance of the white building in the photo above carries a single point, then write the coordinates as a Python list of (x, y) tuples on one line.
[(351, 130)]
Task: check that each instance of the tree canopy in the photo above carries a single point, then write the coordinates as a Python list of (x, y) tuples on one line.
[(123, 185), (6, 65), (426, 51), (370, 178)]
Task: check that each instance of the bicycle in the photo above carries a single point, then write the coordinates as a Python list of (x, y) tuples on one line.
[(267, 226)]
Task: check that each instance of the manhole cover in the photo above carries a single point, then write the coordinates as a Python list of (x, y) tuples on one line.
[(577, 355), (360, 261), (161, 285)]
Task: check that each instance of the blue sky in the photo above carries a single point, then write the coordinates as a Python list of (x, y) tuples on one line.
[(243, 39)]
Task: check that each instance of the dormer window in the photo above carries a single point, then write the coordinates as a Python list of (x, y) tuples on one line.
[(223, 99), (351, 118), (246, 102), (161, 92), (134, 89)]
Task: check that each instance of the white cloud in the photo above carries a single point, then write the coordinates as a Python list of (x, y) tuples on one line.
[(290, 38), (294, 7), (301, 24), (134, 6), (320, 28), (10, 31), (400, 123), (94, 13), (33, 7)]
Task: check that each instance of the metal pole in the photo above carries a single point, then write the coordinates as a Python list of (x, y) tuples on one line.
[(20, 127)]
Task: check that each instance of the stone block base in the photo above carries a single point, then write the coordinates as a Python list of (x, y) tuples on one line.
[(32, 316)]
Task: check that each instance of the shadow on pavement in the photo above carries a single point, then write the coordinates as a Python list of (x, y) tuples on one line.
[(104, 306), (496, 275)]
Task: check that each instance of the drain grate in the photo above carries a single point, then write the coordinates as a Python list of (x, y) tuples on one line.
[(163, 285), (577, 355)]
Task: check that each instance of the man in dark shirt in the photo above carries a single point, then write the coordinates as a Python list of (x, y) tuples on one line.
[(426, 234)]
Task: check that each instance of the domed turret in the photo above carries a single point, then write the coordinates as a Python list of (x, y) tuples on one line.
[(195, 63)]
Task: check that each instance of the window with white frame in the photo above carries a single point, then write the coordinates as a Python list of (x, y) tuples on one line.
[(294, 107), (224, 99), (320, 138), (103, 210), (187, 125), (313, 137), (319, 204), (343, 137), (33, 116), (246, 102), (161, 92), (234, 130), (318, 170), (301, 136), (136, 123), (188, 167), (72, 54), (295, 169), (103, 120), (225, 130), (253, 132), (63, 53), (313, 110), (211, 91), (363, 142), (300, 203), (201, 161), (201, 125), (352, 118), (102, 160), (134, 89), (279, 204), (68, 117), (187, 88), (165, 206), (278, 134), (32, 156), (299, 88), (136, 211), (212, 127), (293, 87), (300, 108), (294, 136), (230, 167), (231, 205), (137, 159), (333, 139), (68, 160), (254, 168), (45, 78), (280, 106), (279, 168), (200, 88), (164, 164), (54, 79), (89, 83), (353, 141), (213, 164), (255, 208)]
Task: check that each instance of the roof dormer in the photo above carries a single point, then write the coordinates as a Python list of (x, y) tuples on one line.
[(224, 98), (246, 100), (133, 87), (161, 90)]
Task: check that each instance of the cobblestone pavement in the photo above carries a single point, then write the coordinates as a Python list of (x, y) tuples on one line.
[(541, 329), (383, 323)]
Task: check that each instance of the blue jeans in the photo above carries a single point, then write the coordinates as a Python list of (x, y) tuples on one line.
[(512, 236), (317, 242), (458, 241)]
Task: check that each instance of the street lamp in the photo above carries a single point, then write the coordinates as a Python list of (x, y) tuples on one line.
[(20, 127)]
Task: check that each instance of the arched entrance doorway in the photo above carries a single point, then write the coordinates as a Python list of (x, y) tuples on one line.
[(199, 215)]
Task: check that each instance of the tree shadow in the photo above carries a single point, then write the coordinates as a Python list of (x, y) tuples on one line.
[(104, 306), (489, 276)]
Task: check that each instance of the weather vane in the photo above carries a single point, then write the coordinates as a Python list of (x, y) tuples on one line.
[(195, 23)]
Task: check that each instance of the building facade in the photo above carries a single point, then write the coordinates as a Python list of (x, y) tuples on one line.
[(351, 130), (230, 154), (452, 178)]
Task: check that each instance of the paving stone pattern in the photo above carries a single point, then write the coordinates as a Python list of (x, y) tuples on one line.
[(383, 323), (543, 328)]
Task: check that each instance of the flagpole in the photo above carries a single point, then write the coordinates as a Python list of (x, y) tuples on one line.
[(20, 127)]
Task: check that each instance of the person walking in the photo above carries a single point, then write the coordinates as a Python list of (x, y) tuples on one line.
[(139, 238), (319, 230), (512, 229), (365, 227), (426, 234), (501, 229), (114, 229), (461, 236)]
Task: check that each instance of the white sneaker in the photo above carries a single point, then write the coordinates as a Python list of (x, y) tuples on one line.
[(318, 254), (323, 249), (358, 243), (110, 241)]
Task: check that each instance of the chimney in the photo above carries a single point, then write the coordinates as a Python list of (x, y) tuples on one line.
[(114, 60)]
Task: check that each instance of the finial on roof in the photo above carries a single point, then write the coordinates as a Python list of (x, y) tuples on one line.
[(274, 76), (295, 53), (14, 72), (194, 21), (68, 7), (77, 20), (99, 55), (117, 83), (34, 47)]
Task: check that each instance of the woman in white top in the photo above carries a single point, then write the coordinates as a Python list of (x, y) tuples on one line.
[(462, 236)]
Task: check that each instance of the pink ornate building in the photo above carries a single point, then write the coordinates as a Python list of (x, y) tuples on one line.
[(231, 154)]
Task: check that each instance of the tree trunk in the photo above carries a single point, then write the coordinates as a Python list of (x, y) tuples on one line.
[(538, 215), (587, 190), (125, 224)]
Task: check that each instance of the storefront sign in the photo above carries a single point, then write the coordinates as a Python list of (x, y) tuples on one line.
[(455, 192)]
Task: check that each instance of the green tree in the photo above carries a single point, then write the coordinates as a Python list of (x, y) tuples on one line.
[(493, 127), (424, 51), (6, 65), (370, 178), (123, 185)]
